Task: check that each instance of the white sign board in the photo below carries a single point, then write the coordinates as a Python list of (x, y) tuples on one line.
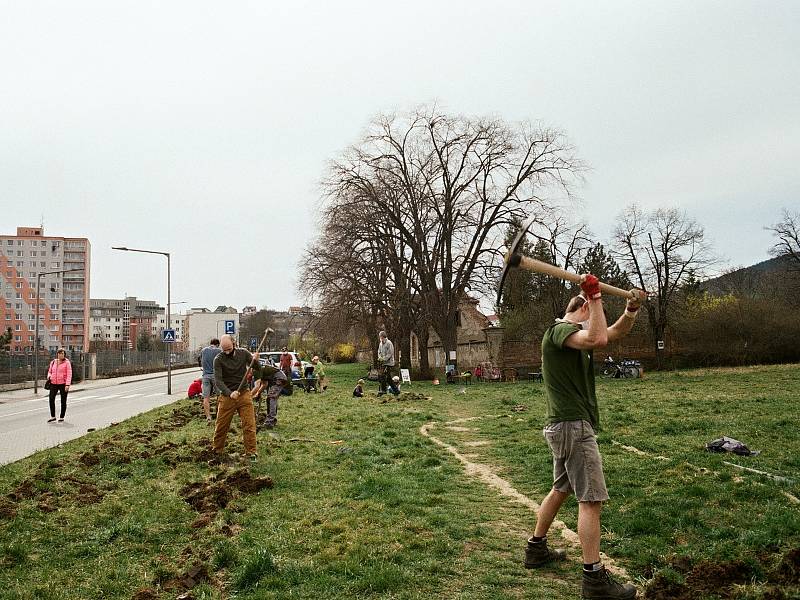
[(452, 354), (405, 375), (660, 344)]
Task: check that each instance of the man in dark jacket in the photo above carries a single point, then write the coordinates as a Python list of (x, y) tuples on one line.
[(231, 369)]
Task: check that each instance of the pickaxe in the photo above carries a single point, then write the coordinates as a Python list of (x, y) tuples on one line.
[(514, 259)]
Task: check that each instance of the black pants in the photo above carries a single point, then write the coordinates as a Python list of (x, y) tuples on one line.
[(385, 378), (61, 388)]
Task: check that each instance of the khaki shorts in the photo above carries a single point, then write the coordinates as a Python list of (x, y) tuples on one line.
[(577, 466)]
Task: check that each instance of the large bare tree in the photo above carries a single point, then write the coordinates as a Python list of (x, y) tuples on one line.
[(661, 250), (447, 186), (788, 233)]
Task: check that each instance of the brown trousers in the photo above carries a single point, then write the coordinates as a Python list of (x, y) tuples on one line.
[(226, 408)]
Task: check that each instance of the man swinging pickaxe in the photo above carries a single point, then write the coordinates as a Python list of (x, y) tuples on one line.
[(573, 417)]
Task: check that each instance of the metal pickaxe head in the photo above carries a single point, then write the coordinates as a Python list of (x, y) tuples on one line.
[(513, 258)]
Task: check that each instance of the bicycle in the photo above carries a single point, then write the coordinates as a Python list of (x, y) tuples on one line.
[(625, 369)]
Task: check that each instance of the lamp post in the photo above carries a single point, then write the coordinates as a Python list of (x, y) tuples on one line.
[(36, 328), (167, 351)]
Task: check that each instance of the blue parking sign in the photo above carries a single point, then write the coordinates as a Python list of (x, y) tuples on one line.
[(230, 327), (253, 342)]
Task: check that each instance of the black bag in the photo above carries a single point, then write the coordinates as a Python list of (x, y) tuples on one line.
[(47, 384)]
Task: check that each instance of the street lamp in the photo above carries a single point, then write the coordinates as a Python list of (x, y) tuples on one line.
[(36, 327), (167, 351)]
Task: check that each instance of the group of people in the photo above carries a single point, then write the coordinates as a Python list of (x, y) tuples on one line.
[(238, 377)]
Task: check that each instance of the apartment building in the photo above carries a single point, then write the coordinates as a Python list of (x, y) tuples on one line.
[(177, 322), (116, 323), (63, 296)]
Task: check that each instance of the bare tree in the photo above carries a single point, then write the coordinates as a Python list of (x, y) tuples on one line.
[(661, 250), (446, 186), (788, 233)]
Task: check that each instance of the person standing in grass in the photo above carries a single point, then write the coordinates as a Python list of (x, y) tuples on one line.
[(207, 356), (230, 369), (385, 362), (60, 376), (572, 421)]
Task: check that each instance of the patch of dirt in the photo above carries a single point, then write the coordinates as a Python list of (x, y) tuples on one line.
[(89, 459), (145, 594), (721, 579), (89, 494), (202, 521), (45, 503), (23, 491), (195, 574), (210, 496), (788, 570), (8, 509)]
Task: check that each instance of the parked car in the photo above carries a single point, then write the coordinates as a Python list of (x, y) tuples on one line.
[(275, 358)]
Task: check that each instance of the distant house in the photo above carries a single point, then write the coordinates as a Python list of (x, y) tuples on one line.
[(470, 336)]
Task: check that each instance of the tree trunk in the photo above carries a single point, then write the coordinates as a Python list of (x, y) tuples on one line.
[(424, 364)]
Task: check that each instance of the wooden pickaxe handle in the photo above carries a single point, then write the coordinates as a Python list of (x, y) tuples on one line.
[(531, 264)]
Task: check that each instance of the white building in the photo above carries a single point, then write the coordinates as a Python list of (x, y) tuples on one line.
[(201, 325)]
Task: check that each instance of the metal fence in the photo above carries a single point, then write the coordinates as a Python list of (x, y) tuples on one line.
[(19, 368)]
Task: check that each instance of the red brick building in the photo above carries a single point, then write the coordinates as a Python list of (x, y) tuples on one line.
[(63, 297)]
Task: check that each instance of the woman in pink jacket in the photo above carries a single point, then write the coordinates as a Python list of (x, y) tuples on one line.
[(60, 376)]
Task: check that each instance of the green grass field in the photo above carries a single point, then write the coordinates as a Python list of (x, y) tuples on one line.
[(361, 504)]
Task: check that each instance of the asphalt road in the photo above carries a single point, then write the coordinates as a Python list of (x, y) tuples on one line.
[(23, 420)]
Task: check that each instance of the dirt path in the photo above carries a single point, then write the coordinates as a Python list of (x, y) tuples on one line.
[(485, 474)]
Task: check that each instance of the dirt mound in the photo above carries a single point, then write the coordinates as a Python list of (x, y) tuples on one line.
[(195, 574), (720, 579), (89, 494), (206, 497), (89, 459), (145, 594), (23, 491), (788, 570), (210, 496), (245, 483), (8, 509)]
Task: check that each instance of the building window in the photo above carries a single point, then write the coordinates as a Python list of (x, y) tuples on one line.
[(18, 327), (19, 284), (9, 242), (30, 338), (42, 264), (19, 252)]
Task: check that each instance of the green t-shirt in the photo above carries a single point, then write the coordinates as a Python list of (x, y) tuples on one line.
[(568, 378)]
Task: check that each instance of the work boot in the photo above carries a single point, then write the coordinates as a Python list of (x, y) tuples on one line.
[(538, 554), (599, 585)]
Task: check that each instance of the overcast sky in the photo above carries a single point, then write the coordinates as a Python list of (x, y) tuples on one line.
[(203, 128)]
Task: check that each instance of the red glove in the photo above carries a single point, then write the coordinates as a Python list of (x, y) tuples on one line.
[(591, 287)]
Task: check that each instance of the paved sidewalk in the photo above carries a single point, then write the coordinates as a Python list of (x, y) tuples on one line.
[(89, 384)]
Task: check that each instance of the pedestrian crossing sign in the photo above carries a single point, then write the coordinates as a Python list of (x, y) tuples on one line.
[(168, 335)]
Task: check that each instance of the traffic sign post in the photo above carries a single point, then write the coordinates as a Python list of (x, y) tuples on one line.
[(253, 343), (168, 336), (230, 327)]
